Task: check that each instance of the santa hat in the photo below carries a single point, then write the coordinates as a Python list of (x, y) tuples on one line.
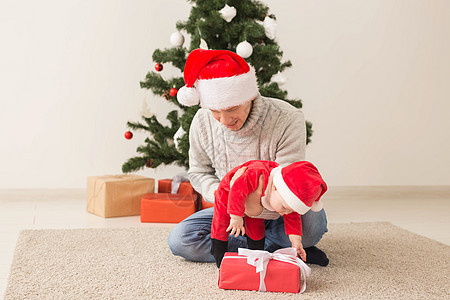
[(217, 79), (300, 185)]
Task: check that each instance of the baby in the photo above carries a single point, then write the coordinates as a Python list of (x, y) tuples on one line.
[(264, 190)]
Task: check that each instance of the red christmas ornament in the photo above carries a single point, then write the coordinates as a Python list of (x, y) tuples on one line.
[(128, 135), (173, 92), (158, 67)]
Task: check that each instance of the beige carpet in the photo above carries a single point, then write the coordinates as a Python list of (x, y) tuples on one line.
[(367, 261)]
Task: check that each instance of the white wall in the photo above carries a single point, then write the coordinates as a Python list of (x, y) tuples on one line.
[(373, 76)]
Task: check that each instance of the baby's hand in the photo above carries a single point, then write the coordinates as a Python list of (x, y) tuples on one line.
[(296, 241), (236, 225)]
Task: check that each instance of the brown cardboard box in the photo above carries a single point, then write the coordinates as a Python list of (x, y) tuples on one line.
[(117, 195)]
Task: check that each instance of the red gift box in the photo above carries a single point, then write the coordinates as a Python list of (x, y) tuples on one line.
[(280, 276), (165, 186), (167, 208), (206, 204)]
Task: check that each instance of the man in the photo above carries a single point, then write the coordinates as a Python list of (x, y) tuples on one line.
[(236, 124)]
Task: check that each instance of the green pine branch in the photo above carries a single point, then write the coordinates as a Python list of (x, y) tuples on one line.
[(204, 22), (176, 56)]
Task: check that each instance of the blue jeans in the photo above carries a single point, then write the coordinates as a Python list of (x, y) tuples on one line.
[(191, 238)]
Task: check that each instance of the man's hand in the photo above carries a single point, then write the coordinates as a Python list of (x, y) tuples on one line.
[(237, 175), (296, 241), (236, 225)]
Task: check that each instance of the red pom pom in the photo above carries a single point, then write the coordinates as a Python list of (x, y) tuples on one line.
[(128, 135), (173, 92), (158, 67)]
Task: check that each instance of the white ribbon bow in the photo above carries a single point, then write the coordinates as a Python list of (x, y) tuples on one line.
[(260, 259)]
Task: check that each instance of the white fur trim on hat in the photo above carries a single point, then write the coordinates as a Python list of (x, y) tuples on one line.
[(291, 199), (225, 92), (188, 96)]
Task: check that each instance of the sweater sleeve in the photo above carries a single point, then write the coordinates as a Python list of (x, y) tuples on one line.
[(201, 174), (293, 224), (292, 144)]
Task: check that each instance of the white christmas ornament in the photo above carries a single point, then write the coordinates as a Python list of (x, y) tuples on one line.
[(228, 13), (279, 78), (270, 27), (203, 44), (176, 39), (244, 49), (180, 132), (145, 111)]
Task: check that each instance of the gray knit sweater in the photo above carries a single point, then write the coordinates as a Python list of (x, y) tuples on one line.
[(274, 130)]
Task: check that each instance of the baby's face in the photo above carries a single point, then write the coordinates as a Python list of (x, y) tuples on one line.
[(278, 203)]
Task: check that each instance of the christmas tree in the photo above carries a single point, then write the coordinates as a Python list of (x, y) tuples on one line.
[(241, 26)]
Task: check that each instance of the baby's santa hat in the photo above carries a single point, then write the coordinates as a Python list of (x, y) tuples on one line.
[(217, 79), (300, 185)]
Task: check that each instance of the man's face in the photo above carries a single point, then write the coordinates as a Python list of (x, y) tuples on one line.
[(234, 117)]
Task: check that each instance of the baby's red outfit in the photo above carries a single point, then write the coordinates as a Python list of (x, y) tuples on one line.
[(232, 201), (300, 185)]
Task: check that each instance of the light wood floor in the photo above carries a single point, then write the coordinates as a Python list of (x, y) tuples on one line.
[(423, 210)]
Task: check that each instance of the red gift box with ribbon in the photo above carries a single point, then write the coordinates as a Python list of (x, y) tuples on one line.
[(185, 187), (165, 186), (257, 270)]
